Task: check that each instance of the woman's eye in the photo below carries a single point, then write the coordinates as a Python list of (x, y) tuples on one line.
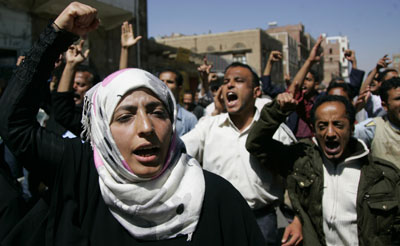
[(160, 113), (124, 118)]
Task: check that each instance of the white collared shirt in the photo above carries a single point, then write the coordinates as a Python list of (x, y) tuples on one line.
[(339, 200), (220, 147)]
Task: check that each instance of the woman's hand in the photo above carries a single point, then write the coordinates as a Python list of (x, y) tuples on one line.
[(78, 19)]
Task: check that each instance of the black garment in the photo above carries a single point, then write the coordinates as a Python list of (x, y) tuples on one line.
[(77, 214), (12, 204), (269, 88), (66, 113)]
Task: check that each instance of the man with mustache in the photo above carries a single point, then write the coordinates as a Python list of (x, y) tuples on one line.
[(341, 193)]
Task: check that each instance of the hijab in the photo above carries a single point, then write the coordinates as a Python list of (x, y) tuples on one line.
[(154, 208)]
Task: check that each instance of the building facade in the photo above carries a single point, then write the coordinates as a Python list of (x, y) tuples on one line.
[(335, 63), (396, 62), (250, 47), (290, 59)]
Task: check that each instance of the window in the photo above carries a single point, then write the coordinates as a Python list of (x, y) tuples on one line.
[(330, 51), (240, 58)]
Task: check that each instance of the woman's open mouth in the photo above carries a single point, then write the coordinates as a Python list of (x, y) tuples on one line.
[(146, 154)]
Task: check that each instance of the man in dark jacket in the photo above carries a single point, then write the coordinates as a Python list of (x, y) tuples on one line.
[(341, 195)]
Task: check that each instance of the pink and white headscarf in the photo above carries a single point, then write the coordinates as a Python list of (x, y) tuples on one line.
[(154, 208)]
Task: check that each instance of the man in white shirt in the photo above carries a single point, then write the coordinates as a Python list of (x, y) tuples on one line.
[(218, 142)]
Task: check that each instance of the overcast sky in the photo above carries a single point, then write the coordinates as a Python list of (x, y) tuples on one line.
[(373, 27)]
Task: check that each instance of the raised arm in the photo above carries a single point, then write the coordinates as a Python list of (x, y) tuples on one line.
[(127, 40), (274, 56), (315, 56), (204, 71), (356, 76), (382, 63), (260, 142), (73, 57), (20, 102)]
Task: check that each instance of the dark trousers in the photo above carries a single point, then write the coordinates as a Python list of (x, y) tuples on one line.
[(266, 220)]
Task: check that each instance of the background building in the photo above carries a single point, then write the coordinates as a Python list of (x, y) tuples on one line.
[(396, 62), (290, 60), (335, 64), (251, 47), (304, 43)]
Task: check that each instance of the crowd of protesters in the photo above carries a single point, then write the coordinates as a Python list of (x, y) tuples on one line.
[(122, 161)]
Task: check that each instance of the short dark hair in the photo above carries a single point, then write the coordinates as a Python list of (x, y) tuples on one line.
[(256, 79), (337, 79), (350, 111), (344, 86), (179, 78), (387, 85), (315, 75), (382, 75), (95, 78), (188, 92)]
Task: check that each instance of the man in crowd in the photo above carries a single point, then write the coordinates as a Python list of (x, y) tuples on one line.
[(304, 90), (341, 195), (191, 106), (369, 91), (185, 121), (382, 133), (218, 143), (75, 81)]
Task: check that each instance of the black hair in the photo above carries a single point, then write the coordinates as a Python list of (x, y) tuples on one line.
[(387, 85), (344, 86), (189, 92), (256, 79), (350, 111), (95, 78), (315, 75), (336, 79), (382, 75), (179, 78)]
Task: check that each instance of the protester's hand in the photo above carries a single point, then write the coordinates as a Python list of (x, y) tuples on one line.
[(383, 62), (275, 56), (315, 53), (362, 99), (286, 102), (204, 69), (75, 55), (20, 60), (350, 55), (293, 233), (127, 37), (218, 102), (78, 19)]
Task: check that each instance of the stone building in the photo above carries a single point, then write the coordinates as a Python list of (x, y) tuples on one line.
[(301, 39), (396, 62), (289, 51), (251, 47), (335, 64)]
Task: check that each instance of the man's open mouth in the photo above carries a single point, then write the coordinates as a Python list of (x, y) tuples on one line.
[(332, 147), (231, 97)]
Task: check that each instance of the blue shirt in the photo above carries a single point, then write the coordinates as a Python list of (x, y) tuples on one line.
[(185, 121)]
